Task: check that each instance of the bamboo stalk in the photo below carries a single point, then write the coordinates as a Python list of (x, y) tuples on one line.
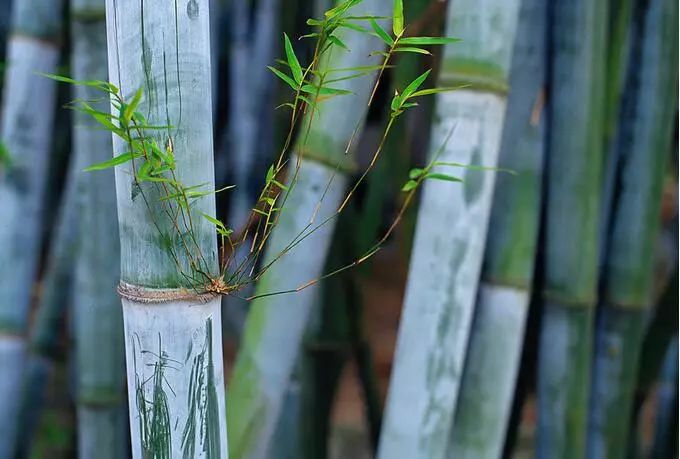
[(628, 283), (26, 133), (450, 234), (492, 361), (572, 218), (102, 424), (269, 348), (48, 324), (172, 328)]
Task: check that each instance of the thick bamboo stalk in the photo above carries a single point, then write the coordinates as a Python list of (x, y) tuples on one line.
[(495, 347), (666, 423), (628, 280), (172, 330), (27, 115), (574, 169), (48, 324), (450, 234), (276, 324), (102, 424)]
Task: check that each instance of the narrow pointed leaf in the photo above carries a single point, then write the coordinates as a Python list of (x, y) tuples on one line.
[(398, 18), (380, 32), (445, 177), (411, 49), (289, 81), (295, 67), (428, 40), (115, 161)]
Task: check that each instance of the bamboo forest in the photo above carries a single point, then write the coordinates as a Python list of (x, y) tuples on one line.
[(339, 229)]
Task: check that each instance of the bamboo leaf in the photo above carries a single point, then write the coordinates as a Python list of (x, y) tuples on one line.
[(218, 224), (427, 92), (324, 90), (428, 40), (398, 18), (411, 49), (380, 32), (115, 161), (288, 80), (413, 86), (410, 185), (295, 67), (132, 106), (474, 167), (415, 173), (445, 177), (336, 41)]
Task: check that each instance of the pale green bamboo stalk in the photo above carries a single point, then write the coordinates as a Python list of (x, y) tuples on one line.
[(100, 397), (492, 362), (628, 276), (172, 327), (276, 324), (27, 113), (50, 316), (450, 234), (576, 153)]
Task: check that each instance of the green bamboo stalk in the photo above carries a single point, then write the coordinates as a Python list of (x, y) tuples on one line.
[(576, 146), (492, 361), (276, 324), (100, 396), (28, 109), (628, 282), (172, 327), (450, 234), (48, 324)]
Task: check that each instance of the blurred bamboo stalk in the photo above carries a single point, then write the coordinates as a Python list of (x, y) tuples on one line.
[(450, 234), (269, 351), (492, 361), (48, 325), (628, 276), (576, 147), (100, 397), (28, 108)]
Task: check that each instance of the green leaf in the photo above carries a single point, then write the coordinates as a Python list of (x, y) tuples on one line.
[(132, 106), (415, 173), (410, 185), (270, 175), (5, 158), (414, 85), (324, 90), (396, 102), (398, 18), (427, 92), (411, 49), (474, 167), (214, 221), (445, 177), (428, 40), (115, 161), (284, 77), (380, 32), (336, 41), (295, 67)]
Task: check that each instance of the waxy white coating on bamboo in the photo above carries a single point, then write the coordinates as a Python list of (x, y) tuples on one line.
[(183, 339), (26, 130), (442, 282), (498, 335)]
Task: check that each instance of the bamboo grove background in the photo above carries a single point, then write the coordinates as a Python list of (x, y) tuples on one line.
[(529, 313)]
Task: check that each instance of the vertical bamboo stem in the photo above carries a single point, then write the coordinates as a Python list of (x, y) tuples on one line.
[(628, 281), (574, 181), (172, 329), (276, 324), (450, 234), (28, 111), (495, 347)]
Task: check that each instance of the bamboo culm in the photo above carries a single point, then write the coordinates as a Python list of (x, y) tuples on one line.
[(628, 275), (98, 322), (28, 111), (494, 351), (450, 235), (576, 152), (269, 352), (172, 330)]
